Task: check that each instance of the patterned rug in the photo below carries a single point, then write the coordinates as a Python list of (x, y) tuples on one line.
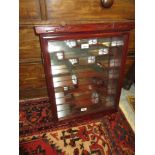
[(110, 135), (34, 116)]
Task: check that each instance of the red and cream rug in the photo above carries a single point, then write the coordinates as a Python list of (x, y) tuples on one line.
[(110, 135)]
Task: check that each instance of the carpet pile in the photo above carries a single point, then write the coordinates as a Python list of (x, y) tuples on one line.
[(110, 135)]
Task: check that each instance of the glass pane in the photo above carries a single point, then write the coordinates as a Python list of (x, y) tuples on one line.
[(85, 74)]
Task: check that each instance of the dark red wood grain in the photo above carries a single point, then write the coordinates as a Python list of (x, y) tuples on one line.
[(79, 32), (125, 26)]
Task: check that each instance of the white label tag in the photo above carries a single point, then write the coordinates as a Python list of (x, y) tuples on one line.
[(83, 46), (83, 109)]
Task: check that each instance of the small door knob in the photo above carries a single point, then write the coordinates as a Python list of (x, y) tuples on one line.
[(107, 3)]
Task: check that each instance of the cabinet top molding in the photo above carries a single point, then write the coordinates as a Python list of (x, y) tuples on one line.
[(106, 27)]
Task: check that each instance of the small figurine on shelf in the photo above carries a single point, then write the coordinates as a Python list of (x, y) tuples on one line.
[(74, 80), (92, 42), (70, 43), (59, 55), (74, 61), (103, 51)]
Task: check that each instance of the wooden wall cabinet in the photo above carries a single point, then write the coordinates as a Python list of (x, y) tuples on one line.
[(56, 11), (29, 10), (89, 9), (84, 67)]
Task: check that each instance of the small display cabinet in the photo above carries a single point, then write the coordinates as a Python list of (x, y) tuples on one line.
[(84, 67)]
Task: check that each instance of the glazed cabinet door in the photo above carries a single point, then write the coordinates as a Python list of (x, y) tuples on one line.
[(83, 73)]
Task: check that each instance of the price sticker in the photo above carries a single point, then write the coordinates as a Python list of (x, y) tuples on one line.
[(84, 46), (83, 109)]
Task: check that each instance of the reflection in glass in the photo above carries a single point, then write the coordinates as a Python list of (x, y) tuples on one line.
[(82, 70), (110, 101), (60, 55), (98, 81), (92, 41), (53, 48), (65, 88), (117, 43), (95, 97), (73, 61), (103, 51), (91, 59), (74, 79), (70, 43), (113, 73), (106, 43), (115, 62)]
